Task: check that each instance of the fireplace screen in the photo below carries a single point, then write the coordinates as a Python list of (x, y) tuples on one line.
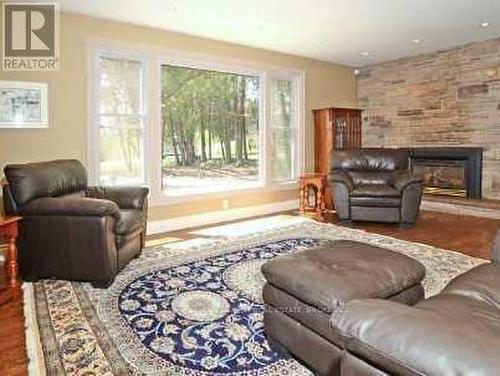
[(442, 177)]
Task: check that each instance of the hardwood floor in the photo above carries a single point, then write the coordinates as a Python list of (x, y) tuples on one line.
[(13, 360), (469, 235)]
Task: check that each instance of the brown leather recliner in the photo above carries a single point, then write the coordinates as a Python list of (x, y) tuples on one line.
[(375, 184), (70, 230)]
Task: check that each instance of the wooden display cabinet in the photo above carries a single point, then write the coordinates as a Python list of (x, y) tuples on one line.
[(334, 129)]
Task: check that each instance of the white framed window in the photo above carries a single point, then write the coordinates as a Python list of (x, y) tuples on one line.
[(211, 122), (194, 125), (283, 124), (119, 129)]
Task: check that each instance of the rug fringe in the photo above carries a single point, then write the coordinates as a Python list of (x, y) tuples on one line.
[(36, 363)]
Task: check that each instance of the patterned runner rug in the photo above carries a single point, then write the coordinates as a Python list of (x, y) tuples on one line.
[(190, 308)]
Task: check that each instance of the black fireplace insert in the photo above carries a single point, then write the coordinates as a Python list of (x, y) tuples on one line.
[(450, 171)]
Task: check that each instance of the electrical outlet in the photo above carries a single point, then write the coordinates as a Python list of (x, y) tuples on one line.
[(225, 204)]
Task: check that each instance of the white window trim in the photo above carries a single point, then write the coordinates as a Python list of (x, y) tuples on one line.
[(152, 58), (298, 121), (93, 145)]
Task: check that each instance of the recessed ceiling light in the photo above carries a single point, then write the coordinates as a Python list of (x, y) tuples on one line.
[(364, 53), (417, 41), (485, 24)]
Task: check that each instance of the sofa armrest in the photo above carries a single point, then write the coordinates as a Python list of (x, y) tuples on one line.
[(370, 328), (402, 179), (9, 204), (53, 206), (124, 197), (340, 176), (427, 339), (495, 248)]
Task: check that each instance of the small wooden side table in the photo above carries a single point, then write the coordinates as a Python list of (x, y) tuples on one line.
[(317, 182), (9, 230)]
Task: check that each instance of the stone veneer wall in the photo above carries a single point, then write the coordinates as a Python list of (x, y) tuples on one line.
[(446, 98)]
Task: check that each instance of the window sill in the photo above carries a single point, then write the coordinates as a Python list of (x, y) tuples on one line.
[(164, 198)]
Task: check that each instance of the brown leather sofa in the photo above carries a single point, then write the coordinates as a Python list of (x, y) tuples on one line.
[(379, 323), (304, 288), (69, 230), (375, 184), (456, 332)]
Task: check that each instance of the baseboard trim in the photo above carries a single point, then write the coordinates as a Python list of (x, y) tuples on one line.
[(179, 223), (460, 209)]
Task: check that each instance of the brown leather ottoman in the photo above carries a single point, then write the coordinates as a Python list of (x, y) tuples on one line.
[(304, 288)]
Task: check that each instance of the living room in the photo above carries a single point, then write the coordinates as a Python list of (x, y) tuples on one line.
[(267, 188)]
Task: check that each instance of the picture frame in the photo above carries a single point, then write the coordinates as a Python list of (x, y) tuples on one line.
[(24, 105)]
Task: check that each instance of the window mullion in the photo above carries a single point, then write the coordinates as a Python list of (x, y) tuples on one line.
[(118, 122), (154, 130), (295, 129), (93, 148), (300, 140), (265, 154)]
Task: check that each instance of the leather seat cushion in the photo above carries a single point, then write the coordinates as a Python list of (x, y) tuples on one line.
[(375, 190), (341, 271), (375, 195), (130, 221), (380, 202), (370, 177)]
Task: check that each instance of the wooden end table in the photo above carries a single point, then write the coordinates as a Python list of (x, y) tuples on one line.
[(9, 231), (317, 181)]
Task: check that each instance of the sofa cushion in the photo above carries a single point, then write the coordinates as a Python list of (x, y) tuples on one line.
[(343, 270), (45, 179), (375, 202), (375, 190), (375, 195), (370, 177)]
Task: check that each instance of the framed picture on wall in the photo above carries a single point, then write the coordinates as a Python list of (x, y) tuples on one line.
[(24, 104)]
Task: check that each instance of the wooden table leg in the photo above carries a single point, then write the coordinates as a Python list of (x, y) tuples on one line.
[(12, 267)]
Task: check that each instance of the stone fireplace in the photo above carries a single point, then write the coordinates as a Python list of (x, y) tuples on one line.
[(449, 171), (449, 98)]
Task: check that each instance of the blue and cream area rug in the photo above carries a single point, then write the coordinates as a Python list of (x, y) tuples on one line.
[(192, 307)]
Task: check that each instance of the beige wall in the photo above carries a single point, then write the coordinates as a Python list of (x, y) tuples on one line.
[(325, 85)]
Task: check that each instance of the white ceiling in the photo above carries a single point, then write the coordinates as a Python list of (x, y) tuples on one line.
[(331, 30)]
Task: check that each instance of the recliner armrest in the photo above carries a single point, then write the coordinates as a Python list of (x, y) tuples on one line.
[(124, 197), (340, 176), (71, 207), (401, 179)]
